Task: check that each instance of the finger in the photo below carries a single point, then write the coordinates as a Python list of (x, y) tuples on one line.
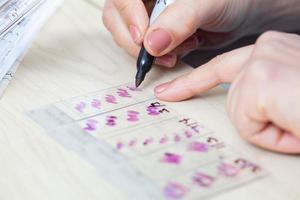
[(168, 60), (214, 40), (203, 40), (275, 139), (264, 124), (222, 69), (178, 22), (190, 44), (257, 130), (135, 16), (114, 23), (242, 102), (233, 100)]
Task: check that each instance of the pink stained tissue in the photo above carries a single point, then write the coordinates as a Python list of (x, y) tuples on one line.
[(171, 158)]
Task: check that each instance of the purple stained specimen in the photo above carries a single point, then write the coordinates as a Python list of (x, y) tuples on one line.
[(198, 147), (119, 145), (133, 116), (156, 109), (134, 89), (111, 120), (91, 125), (174, 191), (163, 140), (132, 142), (228, 170), (153, 111), (203, 180), (188, 134), (80, 107), (171, 158), (148, 141), (123, 93), (111, 99), (96, 103), (177, 138)]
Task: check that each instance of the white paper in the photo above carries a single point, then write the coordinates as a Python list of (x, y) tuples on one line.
[(14, 43)]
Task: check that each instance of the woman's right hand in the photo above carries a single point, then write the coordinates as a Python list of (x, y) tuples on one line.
[(185, 25)]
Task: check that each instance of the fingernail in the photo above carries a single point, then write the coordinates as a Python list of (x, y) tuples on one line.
[(190, 44), (135, 33), (161, 88), (158, 40), (168, 60)]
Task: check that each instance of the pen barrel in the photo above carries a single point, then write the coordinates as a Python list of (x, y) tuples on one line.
[(159, 7), (145, 60)]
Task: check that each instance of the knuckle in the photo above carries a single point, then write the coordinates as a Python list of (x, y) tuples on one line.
[(118, 42), (218, 59), (133, 51), (124, 7), (191, 22), (269, 36), (105, 20), (269, 43), (106, 15), (187, 17), (261, 70), (217, 65)]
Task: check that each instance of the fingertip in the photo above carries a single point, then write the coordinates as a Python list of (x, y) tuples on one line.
[(173, 91), (161, 88), (157, 40), (275, 139), (289, 143), (190, 44), (164, 92), (168, 60), (136, 34)]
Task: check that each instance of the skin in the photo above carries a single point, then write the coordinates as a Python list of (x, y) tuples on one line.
[(264, 99), (264, 76), (195, 24), (128, 20)]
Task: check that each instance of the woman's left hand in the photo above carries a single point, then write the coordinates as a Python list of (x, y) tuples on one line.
[(264, 98)]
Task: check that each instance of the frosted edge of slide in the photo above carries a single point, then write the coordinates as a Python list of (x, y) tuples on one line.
[(108, 164)]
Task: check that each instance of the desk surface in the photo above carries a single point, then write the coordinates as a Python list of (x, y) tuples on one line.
[(75, 55)]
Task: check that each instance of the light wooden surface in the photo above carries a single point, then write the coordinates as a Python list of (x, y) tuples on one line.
[(75, 55)]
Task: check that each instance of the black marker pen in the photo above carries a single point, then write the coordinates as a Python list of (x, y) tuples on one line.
[(146, 60)]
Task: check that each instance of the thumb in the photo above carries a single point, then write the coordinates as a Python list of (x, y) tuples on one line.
[(178, 22), (222, 69)]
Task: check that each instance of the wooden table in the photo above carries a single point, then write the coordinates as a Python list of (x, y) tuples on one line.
[(74, 55)]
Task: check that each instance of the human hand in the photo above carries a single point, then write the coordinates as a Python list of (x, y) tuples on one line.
[(184, 26), (264, 98)]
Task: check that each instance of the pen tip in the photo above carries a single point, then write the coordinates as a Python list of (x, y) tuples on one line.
[(138, 82)]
